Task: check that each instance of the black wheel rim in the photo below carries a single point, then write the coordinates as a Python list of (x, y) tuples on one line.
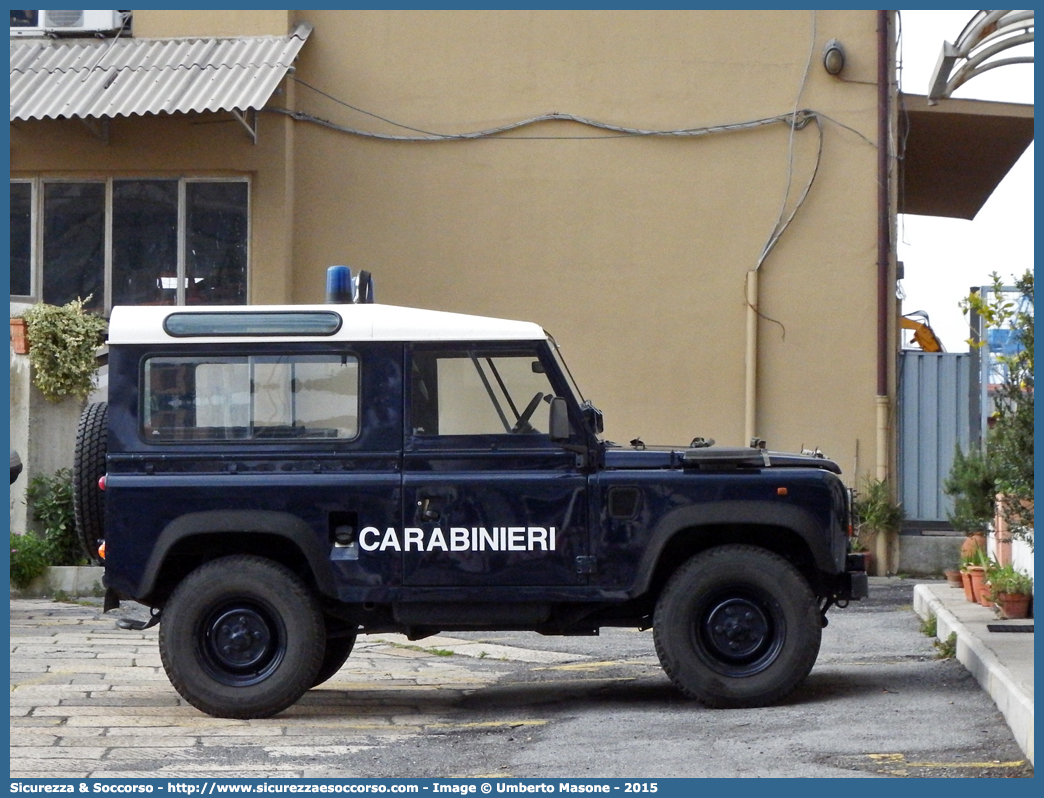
[(739, 632), (240, 643)]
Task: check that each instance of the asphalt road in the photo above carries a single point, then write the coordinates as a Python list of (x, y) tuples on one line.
[(878, 702), (91, 700)]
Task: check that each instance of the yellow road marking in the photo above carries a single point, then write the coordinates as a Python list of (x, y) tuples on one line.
[(487, 724), (586, 666), (897, 758), (1020, 763)]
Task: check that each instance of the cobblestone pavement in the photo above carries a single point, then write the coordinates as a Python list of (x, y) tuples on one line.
[(91, 700)]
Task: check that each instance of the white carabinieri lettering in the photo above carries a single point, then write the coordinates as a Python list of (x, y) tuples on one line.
[(477, 538)]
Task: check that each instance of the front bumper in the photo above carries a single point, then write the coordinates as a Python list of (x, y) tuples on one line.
[(853, 584)]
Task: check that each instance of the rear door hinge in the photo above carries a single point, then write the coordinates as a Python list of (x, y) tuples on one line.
[(586, 564)]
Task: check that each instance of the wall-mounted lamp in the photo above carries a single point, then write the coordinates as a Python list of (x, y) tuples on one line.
[(833, 57)]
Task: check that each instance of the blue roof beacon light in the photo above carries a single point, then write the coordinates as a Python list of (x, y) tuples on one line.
[(339, 286)]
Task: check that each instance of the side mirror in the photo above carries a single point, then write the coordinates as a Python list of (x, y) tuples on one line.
[(559, 420)]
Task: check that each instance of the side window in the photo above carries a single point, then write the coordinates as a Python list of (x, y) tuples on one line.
[(476, 392), (199, 398)]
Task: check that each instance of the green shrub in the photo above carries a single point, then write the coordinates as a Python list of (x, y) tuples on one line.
[(29, 555), (51, 501), (973, 485), (1010, 442), (62, 348)]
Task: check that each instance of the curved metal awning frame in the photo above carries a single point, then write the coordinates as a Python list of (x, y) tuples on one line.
[(988, 34)]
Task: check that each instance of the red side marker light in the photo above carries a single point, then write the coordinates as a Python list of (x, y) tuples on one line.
[(101, 482), (101, 550), (781, 491)]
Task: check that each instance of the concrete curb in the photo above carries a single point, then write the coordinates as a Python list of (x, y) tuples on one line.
[(1012, 699), (71, 580)]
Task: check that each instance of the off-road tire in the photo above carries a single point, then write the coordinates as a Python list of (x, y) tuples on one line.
[(737, 626), (88, 468), (338, 649), (242, 637)]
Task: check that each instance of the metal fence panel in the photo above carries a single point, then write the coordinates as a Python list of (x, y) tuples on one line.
[(933, 418)]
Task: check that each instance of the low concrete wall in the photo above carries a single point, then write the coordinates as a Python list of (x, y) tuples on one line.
[(71, 580), (43, 433), (928, 555)]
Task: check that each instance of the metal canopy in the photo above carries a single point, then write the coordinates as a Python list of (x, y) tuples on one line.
[(102, 79), (957, 152)]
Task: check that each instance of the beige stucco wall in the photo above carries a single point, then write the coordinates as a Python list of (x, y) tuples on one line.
[(632, 251), (154, 24)]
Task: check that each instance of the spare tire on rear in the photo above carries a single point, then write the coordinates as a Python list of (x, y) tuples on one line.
[(88, 468)]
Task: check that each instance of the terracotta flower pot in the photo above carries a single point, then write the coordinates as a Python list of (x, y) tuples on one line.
[(1013, 605), (986, 594), (967, 585), (19, 337), (978, 576), (973, 543), (953, 578)]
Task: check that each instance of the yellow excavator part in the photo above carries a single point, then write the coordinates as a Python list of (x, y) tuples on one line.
[(923, 335)]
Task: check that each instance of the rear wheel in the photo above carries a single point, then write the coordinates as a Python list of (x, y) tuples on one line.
[(242, 637), (737, 626), (88, 468)]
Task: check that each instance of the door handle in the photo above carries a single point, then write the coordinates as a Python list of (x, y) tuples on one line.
[(426, 511)]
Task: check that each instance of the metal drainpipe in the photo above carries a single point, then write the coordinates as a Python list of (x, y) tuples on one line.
[(883, 244), (750, 399), (887, 545)]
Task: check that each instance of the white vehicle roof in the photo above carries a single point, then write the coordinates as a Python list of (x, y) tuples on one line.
[(146, 324)]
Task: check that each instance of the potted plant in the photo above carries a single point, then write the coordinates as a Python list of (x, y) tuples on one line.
[(979, 568), (973, 486), (876, 516), (1012, 590), (63, 355), (968, 560)]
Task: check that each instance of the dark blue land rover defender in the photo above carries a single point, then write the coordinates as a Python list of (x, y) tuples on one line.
[(274, 481)]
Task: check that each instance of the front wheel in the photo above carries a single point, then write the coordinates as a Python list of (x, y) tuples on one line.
[(737, 626), (338, 649), (242, 637)]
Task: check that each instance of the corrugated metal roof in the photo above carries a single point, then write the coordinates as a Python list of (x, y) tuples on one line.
[(124, 77)]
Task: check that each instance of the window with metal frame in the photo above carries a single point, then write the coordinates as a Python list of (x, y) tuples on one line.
[(265, 398), (479, 392), (140, 241)]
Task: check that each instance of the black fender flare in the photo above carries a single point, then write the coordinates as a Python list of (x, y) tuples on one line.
[(217, 522), (736, 513)]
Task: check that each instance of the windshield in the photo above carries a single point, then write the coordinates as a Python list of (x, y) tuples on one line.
[(564, 367)]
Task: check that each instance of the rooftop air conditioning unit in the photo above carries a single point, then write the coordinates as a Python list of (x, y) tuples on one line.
[(64, 22)]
